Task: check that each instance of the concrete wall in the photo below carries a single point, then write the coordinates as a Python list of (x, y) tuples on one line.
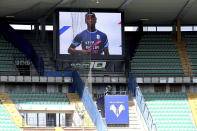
[(147, 87), (150, 88), (2, 87), (53, 129)]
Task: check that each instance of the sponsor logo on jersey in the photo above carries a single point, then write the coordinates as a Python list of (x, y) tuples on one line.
[(98, 36)]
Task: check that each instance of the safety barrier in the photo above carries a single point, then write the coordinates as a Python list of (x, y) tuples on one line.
[(132, 87), (80, 88)]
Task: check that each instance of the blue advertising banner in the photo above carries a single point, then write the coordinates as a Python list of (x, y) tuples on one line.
[(116, 109)]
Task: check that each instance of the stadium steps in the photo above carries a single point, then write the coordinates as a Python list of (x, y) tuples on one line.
[(9, 106), (8, 118), (186, 64), (6, 124), (170, 111), (135, 118), (14, 114), (192, 99), (190, 39), (75, 100), (42, 49)]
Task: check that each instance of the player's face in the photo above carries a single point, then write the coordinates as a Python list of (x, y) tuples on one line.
[(90, 20)]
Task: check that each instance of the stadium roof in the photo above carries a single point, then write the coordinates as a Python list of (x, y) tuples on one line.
[(152, 12)]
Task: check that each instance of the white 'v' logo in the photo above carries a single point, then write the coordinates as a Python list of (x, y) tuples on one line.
[(117, 111)]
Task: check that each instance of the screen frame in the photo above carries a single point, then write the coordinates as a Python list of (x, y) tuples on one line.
[(93, 57)]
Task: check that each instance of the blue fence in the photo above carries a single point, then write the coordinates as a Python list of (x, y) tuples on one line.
[(141, 103), (88, 102)]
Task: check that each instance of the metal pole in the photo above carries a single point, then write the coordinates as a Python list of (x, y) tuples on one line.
[(83, 119)]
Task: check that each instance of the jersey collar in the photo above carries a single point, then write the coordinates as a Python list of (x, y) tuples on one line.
[(91, 32)]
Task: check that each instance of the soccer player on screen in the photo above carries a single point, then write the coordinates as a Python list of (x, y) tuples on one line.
[(92, 40)]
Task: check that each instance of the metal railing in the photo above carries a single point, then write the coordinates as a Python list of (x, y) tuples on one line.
[(88, 102), (145, 111), (134, 90)]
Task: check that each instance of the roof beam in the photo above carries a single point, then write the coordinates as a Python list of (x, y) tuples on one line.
[(185, 9), (125, 4), (63, 2)]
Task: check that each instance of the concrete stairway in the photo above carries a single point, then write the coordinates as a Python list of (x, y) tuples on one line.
[(43, 49), (185, 61), (9, 106), (136, 120), (192, 100)]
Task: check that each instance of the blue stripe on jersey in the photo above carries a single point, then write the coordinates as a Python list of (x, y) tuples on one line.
[(75, 43), (106, 44)]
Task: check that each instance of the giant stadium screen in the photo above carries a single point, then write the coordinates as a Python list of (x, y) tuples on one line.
[(95, 33)]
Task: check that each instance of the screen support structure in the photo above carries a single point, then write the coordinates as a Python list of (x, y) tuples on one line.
[(86, 73)]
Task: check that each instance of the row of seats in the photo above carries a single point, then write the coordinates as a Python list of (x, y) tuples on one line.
[(8, 53), (156, 49), (191, 47), (157, 75), (157, 53), (156, 60), (157, 70), (159, 64), (170, 114), (39, 98), (156, 56), (165, 94), (155, 66), (156, 43), (28, 92)]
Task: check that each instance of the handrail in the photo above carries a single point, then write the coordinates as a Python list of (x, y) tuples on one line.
[(145, 111), (136, 92), (89, 104)]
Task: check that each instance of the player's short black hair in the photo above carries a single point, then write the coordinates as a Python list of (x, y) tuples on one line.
[(90, 14)]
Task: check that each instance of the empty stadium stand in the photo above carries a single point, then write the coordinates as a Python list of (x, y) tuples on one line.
[(156, 55), (170, 110), (39, 98), (42, 48), (190, 39), (40, 89), (10, 119), (8, 56)]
